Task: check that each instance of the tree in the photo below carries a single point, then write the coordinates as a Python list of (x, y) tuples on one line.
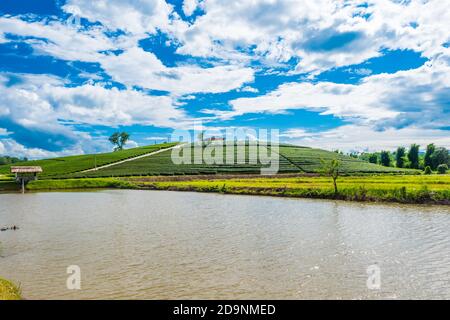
[(428, 170), (373, 158), (331, 169), (439, 156), (385, 158), (442, 168), (428, 153), (413, 156), (119, 139), (400, 157)]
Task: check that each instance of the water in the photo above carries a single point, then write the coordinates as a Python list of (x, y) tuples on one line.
[(161, 245)]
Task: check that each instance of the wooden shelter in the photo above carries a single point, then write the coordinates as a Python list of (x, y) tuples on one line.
[(25, 174)]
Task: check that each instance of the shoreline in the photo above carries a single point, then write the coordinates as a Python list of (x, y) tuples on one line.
[(9, 291), (384, 189)]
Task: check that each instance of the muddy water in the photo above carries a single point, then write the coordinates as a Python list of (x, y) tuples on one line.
[(160, 245)]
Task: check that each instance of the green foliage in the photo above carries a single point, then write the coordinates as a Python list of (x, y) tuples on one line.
[(10, 160), (9, 291), (373, 158), (78, 184), (58, 167), (292, 159), (331, 168), (428, 153), (400, 157), (428, 170), (438, 157), (396, 188), (442, 168), (385, 158), (119, 139), (413, 156)]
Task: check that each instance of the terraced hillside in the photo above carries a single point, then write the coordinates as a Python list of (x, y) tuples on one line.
[(57, 167), (292, 159), (309, 160)]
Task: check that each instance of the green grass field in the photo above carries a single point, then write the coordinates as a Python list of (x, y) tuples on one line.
[(292, 159), (395, 188), (66, 165), (433, 189)]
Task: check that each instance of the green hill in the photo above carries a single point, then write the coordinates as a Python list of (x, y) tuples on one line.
[(293, 159), (56, 167)]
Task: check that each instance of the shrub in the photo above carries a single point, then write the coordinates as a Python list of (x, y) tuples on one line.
[(442, 168), (428, 170)]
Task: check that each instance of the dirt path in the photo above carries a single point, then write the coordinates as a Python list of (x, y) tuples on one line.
[(132, 159)]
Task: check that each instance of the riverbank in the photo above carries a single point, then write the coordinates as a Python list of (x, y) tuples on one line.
[(415, 189), (9, 291)]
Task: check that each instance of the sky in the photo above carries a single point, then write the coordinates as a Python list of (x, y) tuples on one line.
[(350, 75)]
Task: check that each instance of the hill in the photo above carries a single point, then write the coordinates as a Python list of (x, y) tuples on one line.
[(56, 167), (292, 159)]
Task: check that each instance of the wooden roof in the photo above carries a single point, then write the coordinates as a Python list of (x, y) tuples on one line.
[(24, 169)]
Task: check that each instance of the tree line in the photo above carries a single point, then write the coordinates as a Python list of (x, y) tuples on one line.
[(10, 160), (434, 159)]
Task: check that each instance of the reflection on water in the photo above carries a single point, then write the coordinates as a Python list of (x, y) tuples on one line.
[(160, 245)]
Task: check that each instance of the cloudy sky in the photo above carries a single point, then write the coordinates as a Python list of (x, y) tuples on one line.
[(349, 74)]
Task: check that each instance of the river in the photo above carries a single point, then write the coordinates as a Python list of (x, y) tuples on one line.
[(132, 244)]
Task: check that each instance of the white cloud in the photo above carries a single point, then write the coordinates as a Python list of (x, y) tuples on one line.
[(40, 101), (141, 68), (12, 148), (322, 34), (189, 7), (249, 89), (364, 138), (63, 41), (4, 132), (420, 96), (134, 16)]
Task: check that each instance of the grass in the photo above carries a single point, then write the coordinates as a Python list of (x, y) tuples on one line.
[(403, 189), (57, 167), (434, 189), (292, 159), (79, 184), (9, 291)]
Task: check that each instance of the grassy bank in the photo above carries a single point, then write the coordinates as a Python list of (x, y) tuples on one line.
[(433, 189), (79, 184), (9, 291), (402, 189)]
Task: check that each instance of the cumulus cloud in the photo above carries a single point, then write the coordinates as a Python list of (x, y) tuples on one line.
[(45, 105), (61, 40), (39, 101), (134, 16), (141, 68), (189, 6), (364, 138), (419, 96), (10, 147), (320, 34)]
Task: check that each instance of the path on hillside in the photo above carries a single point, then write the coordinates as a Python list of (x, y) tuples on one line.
[(132, 159)]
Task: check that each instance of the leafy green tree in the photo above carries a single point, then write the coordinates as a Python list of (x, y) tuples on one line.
[(439, 156), (400, 157), (428, 170), (385, 158), (428, 153), (373, 158), (413, 156), (442, 168), (119, 139), (331, 168)]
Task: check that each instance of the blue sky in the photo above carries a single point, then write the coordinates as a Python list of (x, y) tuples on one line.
[(351, 75)]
